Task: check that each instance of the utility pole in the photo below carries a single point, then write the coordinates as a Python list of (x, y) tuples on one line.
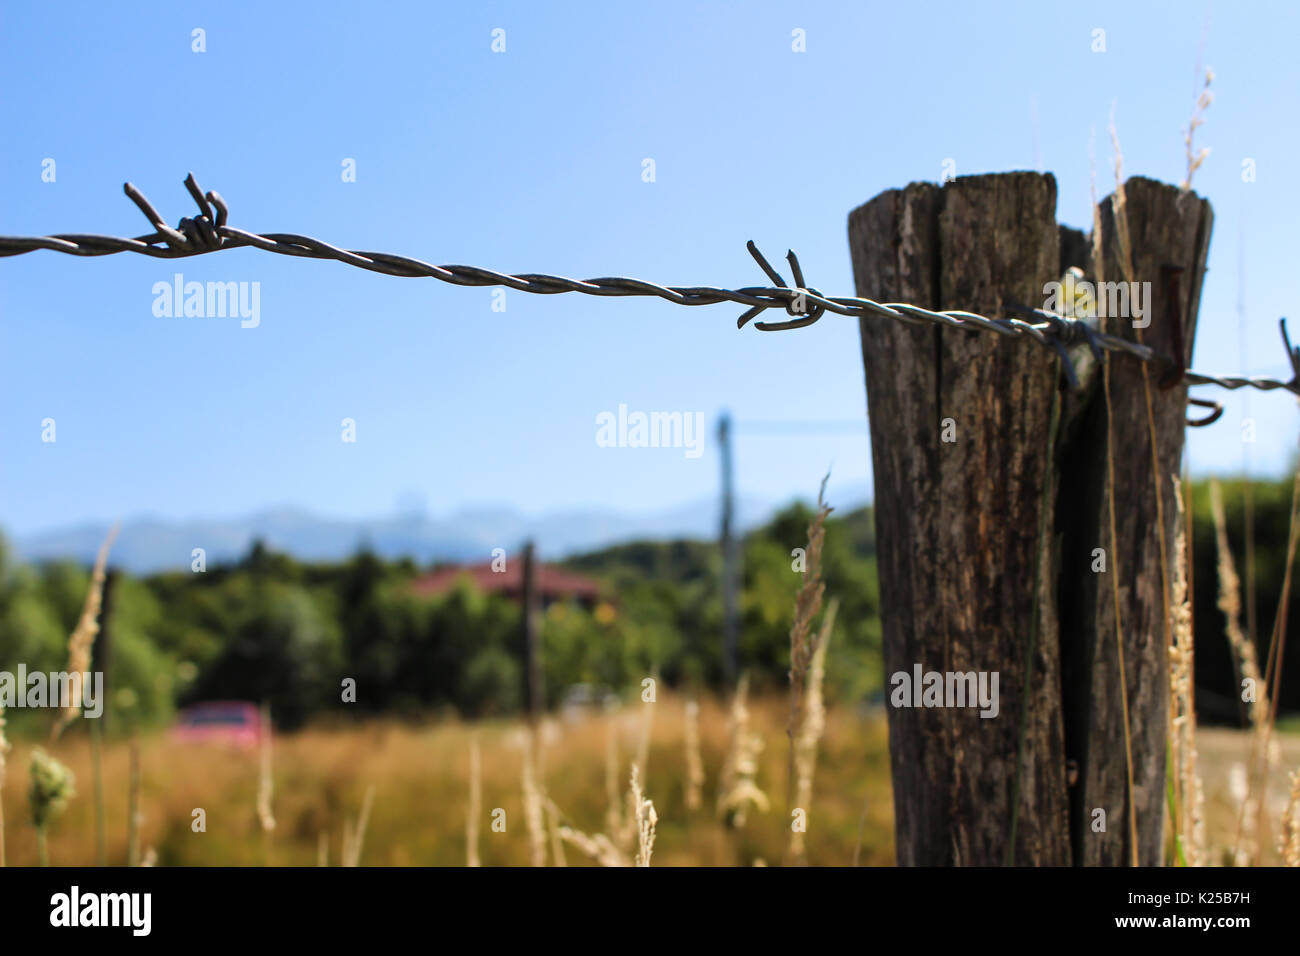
[(730, 623), (532, 649)]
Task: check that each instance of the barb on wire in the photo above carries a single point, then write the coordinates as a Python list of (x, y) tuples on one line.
[(209, 232), (802, 316)]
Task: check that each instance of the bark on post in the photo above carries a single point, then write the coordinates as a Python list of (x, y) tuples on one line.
[(959, 437), (1169, 233), (979, 545)]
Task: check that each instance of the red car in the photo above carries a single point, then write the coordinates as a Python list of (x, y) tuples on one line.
[(229, 722)]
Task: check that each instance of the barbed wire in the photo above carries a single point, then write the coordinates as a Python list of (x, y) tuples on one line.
[(209, 232)]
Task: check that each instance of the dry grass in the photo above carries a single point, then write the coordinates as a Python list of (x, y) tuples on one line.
[(266, 788), (1224, 758), (803, 728), (422, 783), (643, 811), (1288, 845), (599, 848), (1251, 811), (811, 724), (1188, 811), (355, 834), (82, 638), (1196, 157), (475, 802), (532, 798), (156, 783), (1243, 650), (738, 790), (134, 815), (51, 786), (694, 762)]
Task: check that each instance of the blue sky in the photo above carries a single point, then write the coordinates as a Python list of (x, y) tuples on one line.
[(531, 160)]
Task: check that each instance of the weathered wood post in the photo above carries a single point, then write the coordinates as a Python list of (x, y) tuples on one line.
[(990, 485), (1169, 237)]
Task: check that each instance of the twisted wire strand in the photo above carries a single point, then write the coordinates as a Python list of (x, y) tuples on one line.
[(209, 232)]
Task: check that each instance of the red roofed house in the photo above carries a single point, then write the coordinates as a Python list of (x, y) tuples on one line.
[(553, 583)]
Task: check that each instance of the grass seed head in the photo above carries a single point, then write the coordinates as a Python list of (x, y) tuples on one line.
[(50, 789)]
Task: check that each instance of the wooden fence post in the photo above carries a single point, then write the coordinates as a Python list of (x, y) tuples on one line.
[(1169, 234), (980, 529)]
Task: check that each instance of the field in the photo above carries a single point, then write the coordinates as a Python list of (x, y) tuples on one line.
[(1223, 756), (421, 785), (420, 776)]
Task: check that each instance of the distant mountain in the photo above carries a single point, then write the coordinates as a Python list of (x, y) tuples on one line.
[(146, 545)]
